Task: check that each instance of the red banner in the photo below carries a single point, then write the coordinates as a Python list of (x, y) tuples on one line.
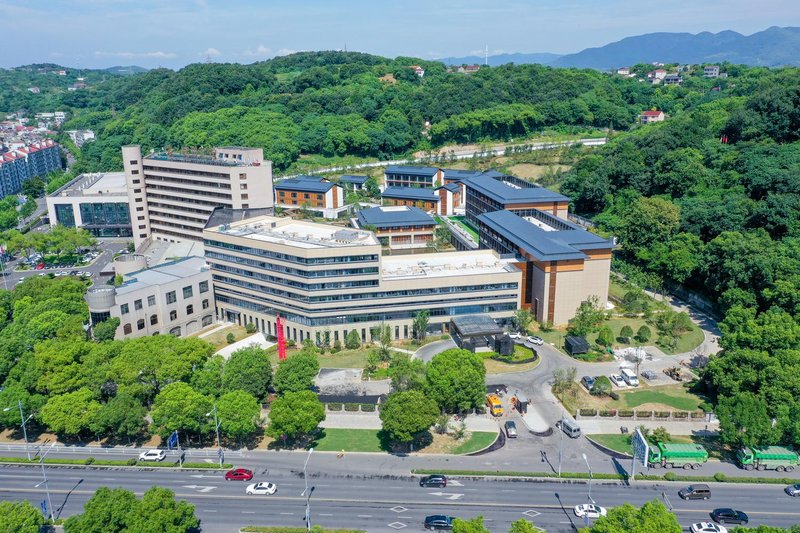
[(281, 339)]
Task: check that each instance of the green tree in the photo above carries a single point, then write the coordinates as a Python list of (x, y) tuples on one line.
[(121, 418), (660, 434), (20, 517), (406, 373), (72, 413), (473, 525), (108, 510), (407, 414), (160, 512), (643, 334), (296, 373), (601, 387), (352, 341), (383, 335), (745, 420), (230, 338), (652, 517), (239, 414), (523, 526), (523, 319), (10, 396), (456, 380), (208, 379), (626, 333), (178, 407), (249, 370), (588, 316), (295, 414), (105, 330), (420, 324), (605, 337), (649, 221)]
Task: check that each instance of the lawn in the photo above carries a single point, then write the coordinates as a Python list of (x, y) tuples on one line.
[(349, 440), (219, 338), (674, 396), (520, 354), (462, 221), (342, 359), (614, 441), (477, 441)]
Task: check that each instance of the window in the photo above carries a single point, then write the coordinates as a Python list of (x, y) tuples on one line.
[(123, 309), (245, 197), (151, 300), (135, 172), (305, 195), (203, 287), (137, 191), (127, 329), (245, 206), (173, 315), (319, 197), (143, 235), (138, 199), (137, 304), (175, 331), (137, 182), (187, 292), (205, 304), (171, 298), (140, 209), (153, 320), (140, 217), (189, 309), (294, 195), (242, 176), (140, 324), (243, 186), (143, 226), (134, 162)]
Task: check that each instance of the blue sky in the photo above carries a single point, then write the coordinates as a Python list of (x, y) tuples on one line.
[(173, 33)]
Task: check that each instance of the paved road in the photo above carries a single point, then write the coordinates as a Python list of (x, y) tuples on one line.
[(376, 502)]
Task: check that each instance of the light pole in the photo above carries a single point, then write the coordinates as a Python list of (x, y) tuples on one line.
[(308, 498), (216, 426), (590, 476), (44, 482), (24, 429), (561, 445)]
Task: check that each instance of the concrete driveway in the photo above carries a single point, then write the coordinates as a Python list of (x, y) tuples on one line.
[(427, 352)]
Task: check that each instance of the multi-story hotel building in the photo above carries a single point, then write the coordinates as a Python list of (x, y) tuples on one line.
[(312, 193), (321, 278), (494, 191), (172, 195)]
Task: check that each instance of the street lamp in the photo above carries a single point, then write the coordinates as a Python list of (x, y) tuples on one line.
[(24, 429), (216, 425), (44, 482), (560, 444), (590, 476), (308, 498)]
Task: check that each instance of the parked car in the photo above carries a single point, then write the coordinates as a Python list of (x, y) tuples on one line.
[(511, 429), (707, 527), (617, 380), (153, 455), (40, 266), (435, 480), (588, 382), (649, 375), (438, 521), (261, 488), (239, 474), (729, 516), (533, 339), (793, 490), (590, 510), (515, 335)]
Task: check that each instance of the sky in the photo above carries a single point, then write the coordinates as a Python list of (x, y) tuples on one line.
[(173, 33)]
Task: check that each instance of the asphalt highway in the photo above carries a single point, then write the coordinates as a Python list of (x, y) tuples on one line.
[(382, 503)]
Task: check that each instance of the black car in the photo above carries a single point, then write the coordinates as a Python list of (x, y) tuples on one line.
[(438, 521), (436, 480), (729, 516)]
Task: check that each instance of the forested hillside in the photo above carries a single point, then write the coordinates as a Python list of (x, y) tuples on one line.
[(340, 103), (711, 199)]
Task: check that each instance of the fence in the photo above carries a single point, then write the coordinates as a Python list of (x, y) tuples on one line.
[(621, 414), (112, 450)]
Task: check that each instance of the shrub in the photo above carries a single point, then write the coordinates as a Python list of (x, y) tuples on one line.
[(89, 460), (670, 476), (608, 412), (680, 414), (602, 386), (351, 407), (644, 414), (337, 346), (662, 414), (698, 414), (352, 341), (625, 414), (131, 462), (230, 338), (644, 334), (719, 476), (588, 412), (613, 395), (706, 407), (250, 328), (368, 407), (334, 407)]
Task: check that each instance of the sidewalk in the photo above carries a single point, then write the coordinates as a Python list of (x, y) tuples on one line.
[(257, 339)]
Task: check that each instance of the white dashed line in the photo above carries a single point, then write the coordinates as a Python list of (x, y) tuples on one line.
[(325, 514), (248, 512), (364, 516), (209, 511), (287, 513)]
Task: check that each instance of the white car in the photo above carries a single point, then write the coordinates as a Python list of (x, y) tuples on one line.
[(590, 510), (262, 488), (533, 339), (707, 527), (617, 380), (153, 455), (515, 335)]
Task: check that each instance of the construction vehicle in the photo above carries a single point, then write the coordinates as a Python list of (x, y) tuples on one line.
[(674, 372), (767, 458), (671, 455), (494, 404)]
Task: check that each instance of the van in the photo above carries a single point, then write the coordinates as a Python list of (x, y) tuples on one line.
[(494, 404), (571, 428), (698, 491), (630, 377)]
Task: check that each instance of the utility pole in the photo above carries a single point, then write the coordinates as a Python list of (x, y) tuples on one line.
[(44, 482), (561, 445), (486, 56), (24, 420), (306, 492), (590, 476), (216, 426)]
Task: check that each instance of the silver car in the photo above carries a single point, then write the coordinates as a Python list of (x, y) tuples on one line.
[(793, 490), (511, 429)]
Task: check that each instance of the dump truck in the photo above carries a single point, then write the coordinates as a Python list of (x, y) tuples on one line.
[(494, 404), (671, 455), (767, 458)]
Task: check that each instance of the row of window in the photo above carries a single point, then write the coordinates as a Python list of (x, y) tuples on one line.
[(327, 273), (215, 175), (171, 297), (296, 284), (291, 258)]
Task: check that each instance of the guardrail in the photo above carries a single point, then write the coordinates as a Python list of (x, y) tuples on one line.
[(107, 450)]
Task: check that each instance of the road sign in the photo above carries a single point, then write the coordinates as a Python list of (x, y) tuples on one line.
[(641, 451), (44, 507), (172, 441)]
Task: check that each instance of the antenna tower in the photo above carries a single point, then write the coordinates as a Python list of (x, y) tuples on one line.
[(486, 56)]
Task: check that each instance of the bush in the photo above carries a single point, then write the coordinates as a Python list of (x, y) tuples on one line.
[(89, 460), (625, 414), (230, 338), (608, 412), (588, 412), (250, 328), (351, 407), (368, 407), (644, 414), (719, 476), (706, 407), (698, 414), (335, 407), (680, 414), (602, 386), (352, 341), (337, 346), (670, 476), (613, 395), (131, 462), (662, 414)]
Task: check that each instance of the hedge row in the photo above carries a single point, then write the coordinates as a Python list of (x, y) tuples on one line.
[(316, 529), (352, 407), (107, 462)]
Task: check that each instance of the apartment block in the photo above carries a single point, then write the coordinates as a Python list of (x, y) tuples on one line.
[(405, 176), (26, 162), (171, 195), (323, 279), (312, 193)]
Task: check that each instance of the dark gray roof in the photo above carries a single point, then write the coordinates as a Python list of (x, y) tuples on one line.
[(471, 325), (567, 241), (452, 187), (304, 184), (417, 171), (459, 174), (385, 217), (410, 193), (489, 184), (360, 180)]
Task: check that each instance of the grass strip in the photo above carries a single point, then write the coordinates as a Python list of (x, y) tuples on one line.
[(90, 461)]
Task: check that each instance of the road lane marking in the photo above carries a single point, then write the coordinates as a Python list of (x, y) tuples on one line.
[(248, 512), (288, 513), (325, 514), (364, 516), (209, 511)]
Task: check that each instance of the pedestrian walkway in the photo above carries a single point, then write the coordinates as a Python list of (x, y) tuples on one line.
[(214, 329), (257, 339)]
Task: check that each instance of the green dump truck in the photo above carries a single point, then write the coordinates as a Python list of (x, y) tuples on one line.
[(767, 458), (671, 455)]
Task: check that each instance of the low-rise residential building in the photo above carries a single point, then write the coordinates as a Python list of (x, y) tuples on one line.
[(711, 71), (96, 202), (310, 192), (174, 298), (562, 264), (418, 70), (25, 162), (673, 79), (652, 115), (407, 176), (171, 195), (324, 280), (468, 69), (353, 183), (657, 74), (623, 71), (423, 198), (398, 227), (79, 137)]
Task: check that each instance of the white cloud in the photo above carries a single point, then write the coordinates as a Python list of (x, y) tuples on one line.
[(285, 52), (211, 52), (155, 55), (261, 51)]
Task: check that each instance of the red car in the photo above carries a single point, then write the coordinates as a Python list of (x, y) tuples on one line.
[(239, 474)]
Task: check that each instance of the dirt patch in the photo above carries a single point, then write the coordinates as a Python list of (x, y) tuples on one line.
[(533, 172), (444, 443)]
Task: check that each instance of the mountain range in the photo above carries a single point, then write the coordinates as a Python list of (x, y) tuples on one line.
[(771, 48)]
